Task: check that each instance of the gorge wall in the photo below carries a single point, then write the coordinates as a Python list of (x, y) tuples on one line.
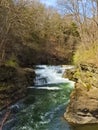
[(83, 106), (13, 84)]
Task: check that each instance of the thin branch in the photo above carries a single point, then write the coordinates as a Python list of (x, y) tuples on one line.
[(4, 119)]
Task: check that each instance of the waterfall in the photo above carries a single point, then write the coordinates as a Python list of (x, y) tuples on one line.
[(47, 77)]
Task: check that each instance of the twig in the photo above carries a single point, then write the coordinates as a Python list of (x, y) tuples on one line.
[(4, 119)]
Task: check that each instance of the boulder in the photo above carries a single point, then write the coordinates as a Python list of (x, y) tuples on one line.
[(83, 106)]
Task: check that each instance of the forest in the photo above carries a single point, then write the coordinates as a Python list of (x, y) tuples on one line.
[(48, 35), (42, 32)]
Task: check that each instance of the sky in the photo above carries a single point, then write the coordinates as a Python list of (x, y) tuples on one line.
[(49, 2), (88, 6)]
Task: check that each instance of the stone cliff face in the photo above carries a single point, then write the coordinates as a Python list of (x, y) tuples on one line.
[(13, 83), (83, 106)]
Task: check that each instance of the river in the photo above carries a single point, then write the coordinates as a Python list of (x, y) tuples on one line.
[(46, 102)]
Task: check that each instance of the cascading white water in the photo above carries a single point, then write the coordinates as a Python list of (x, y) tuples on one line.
[(49, 76)]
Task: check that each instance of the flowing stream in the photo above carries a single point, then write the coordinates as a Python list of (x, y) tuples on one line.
[(46, 102)]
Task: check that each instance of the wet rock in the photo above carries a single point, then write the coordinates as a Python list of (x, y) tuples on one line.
[(70, 74), (14, 108), (11, 123)]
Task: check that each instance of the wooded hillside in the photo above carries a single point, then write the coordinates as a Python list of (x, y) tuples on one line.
[(31, 34)]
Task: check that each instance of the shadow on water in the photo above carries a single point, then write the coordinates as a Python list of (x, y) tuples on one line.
[(86, 127)]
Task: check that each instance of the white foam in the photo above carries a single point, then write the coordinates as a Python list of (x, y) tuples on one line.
[(46, 88), (51, 74)]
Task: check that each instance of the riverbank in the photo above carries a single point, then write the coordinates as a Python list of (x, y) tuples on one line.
[(13, 83), (83, 106)]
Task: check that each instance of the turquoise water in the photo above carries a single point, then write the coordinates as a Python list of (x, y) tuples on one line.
[(44, 110)]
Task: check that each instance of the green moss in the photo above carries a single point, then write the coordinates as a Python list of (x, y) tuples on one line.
[(12, 61)]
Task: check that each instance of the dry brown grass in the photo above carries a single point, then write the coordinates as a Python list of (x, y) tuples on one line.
[(87, 54)]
